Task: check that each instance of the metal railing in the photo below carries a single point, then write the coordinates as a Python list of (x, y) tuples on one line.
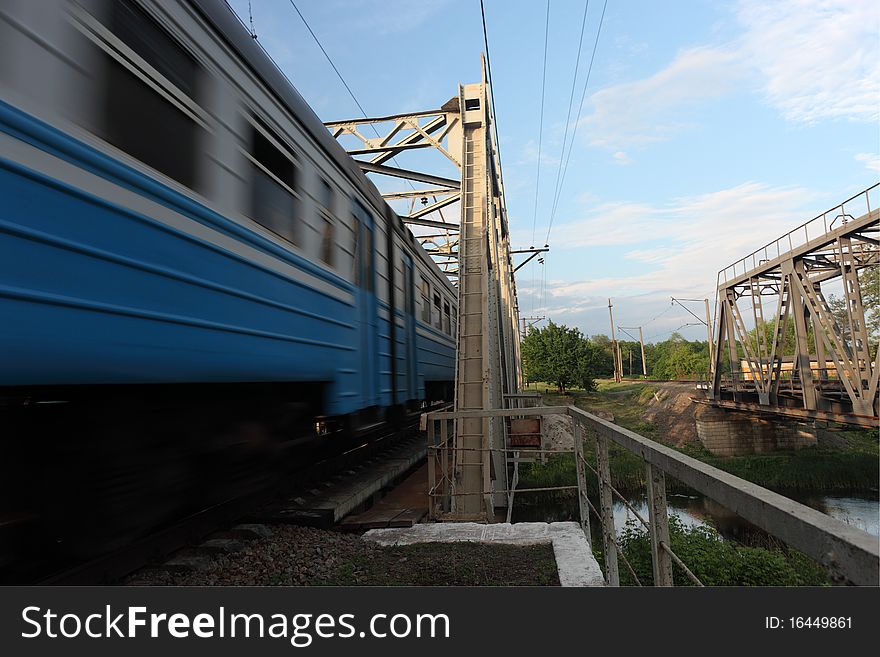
[(824, 378), (853, 207), (849, 553)]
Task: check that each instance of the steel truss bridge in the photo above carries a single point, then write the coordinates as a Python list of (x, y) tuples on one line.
[(474, 251), (829, 371), (474, 450)]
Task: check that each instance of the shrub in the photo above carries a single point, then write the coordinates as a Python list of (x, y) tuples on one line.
[(715, 561)]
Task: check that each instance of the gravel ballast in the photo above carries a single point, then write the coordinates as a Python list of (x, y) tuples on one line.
[(303, 556)]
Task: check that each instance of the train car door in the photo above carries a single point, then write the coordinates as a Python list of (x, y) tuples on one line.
[(365, 277), (409, 332)]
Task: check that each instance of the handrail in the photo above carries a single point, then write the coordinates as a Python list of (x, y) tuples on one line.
[(768, 252), (843, 548), (848, 552)]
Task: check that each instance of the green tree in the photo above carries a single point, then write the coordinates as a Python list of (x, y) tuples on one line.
[(677, 358), (869, 285), (559, 355)]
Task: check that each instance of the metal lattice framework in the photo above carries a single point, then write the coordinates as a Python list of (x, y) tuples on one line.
[(829, 373), (475, 253), (437, 130)]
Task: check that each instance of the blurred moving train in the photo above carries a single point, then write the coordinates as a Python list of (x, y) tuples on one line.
[(187, 259)]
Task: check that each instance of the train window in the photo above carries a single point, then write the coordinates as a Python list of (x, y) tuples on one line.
[(274, 202), (328, 240), (437, 316), (367, 256), (142, 114), (355, 257), (363, 249), (425, 288), (447, 326), (407, 288)]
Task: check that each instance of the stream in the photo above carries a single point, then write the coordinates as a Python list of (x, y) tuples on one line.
[(859, 510)]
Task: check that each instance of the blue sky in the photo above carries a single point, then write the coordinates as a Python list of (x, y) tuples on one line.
[(708, 128)]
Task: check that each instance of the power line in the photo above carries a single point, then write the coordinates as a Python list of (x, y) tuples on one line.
[(541, 122), (660, 314), (577, 65), (251, 20), (336, 70), (491, 85), (339, 75), (673, 330), (543, 284), (576, 121), (679, 302)]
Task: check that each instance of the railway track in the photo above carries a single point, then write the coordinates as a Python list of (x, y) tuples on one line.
[(192, 529)]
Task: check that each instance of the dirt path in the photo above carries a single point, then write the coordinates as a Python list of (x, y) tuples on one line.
[(662, 411), (671, 411)]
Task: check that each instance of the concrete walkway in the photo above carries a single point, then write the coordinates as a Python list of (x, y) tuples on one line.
[(326, 504), (574, 559)]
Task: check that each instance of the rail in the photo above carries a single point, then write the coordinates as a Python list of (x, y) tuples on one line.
[(849, 553), (822, 224)]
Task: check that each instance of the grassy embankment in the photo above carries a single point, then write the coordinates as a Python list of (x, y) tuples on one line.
[(852, 466)]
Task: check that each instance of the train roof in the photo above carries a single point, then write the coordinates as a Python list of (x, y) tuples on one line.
[(228, 25)]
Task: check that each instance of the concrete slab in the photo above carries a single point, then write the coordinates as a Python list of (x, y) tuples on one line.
[(574, 560)]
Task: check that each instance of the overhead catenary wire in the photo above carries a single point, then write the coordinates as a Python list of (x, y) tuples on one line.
[(576, 122), (657, 335), (541, 121), (571, 100), (330, 60), (339, 75), (251, 20), (659, 315), (679, 302), (491, 83)]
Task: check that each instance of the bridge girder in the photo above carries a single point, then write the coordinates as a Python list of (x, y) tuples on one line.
[(475, 254), (831, 368)]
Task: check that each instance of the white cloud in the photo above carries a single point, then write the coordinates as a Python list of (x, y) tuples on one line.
[(621, 158), (811, 59), (686, 241), (684, 244), (651, 109), (820, 59), (871, 161)]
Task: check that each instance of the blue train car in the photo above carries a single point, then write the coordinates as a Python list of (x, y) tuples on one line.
[(174, 214)]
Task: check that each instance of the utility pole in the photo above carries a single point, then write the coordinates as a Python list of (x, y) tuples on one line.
[(615, 356), (641, 344), (707, 322), (644, 364), (630, 362), (528, 323)]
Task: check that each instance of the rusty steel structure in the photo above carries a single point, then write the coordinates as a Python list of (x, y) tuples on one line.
[(475, 253), (829, 373)]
